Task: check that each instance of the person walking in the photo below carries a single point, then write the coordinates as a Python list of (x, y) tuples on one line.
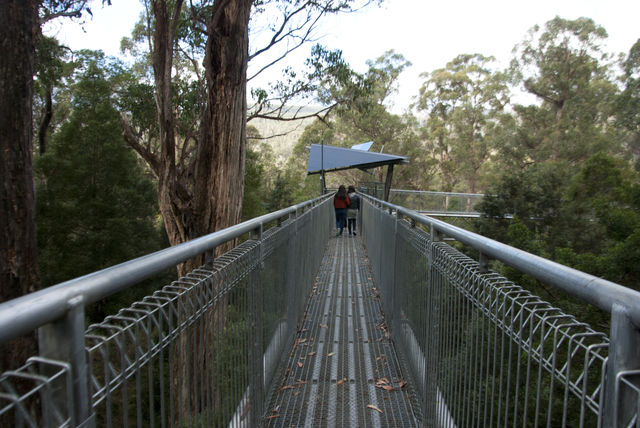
[(352, 211), (340, 204)]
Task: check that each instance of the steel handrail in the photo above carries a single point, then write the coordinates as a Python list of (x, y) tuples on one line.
[(26, 313), (598, 292), (434, 193)]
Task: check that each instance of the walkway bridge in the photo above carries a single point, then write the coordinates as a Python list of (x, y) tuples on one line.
[(298, 327), (438, 204)]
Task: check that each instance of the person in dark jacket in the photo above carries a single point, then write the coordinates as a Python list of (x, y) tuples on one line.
[(340, 204), (352, 211)]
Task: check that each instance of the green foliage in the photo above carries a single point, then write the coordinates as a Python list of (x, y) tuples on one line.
[(565, 68), (252, 205), (463, 101), (589, 220), (74, 9), (628, 104), (95, 207), (564, 167), (281, 195)]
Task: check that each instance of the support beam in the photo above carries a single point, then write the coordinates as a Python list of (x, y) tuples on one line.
[(387, 183)]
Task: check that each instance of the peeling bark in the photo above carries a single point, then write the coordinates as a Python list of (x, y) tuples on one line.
[(18, 251)]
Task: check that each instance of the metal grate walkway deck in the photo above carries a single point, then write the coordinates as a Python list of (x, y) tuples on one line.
[(343, 369)]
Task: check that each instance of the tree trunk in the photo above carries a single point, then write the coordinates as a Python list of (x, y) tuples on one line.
[(219, 174), (18, 251), (47, 115), (213, 199), (162, 57)]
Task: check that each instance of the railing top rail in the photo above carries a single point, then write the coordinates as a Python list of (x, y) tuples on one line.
[(430, 192), (596, 291), (26, 313)]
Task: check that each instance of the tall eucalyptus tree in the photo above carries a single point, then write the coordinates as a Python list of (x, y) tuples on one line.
[(565, 67), (463, 102), (200, 166), (20, 23)]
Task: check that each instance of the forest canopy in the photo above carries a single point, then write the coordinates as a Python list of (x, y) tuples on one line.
[(571, 154), (112, 159), (463, 132)]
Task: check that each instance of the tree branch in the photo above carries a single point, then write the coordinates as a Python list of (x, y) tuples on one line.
[(133, 140), (278, 36), (301, 42)]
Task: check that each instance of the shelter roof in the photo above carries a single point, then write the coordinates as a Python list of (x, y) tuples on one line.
[(331, 158)]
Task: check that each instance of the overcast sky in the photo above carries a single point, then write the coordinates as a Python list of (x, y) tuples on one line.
[(428, 33)]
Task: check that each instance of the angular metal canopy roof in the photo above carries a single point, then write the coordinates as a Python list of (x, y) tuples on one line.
[(363, 146), (331, 158)]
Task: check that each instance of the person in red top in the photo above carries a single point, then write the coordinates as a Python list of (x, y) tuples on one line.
[(341, 202)]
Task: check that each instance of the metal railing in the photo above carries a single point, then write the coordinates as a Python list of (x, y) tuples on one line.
[(200, 351), (449, 204), (484, 351), (439, 204)]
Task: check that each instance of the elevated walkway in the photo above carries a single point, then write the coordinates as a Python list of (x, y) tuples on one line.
[(293, 327), (343, 369)]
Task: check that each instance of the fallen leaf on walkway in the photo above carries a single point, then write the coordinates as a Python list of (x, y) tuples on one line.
[(273, 416), (324, 326), (385, 329), (371, 406), (311, 354), (297, 384), (275, 409), (339, 381), (331, 354), (382, 381), (402, 384), (299, 364)]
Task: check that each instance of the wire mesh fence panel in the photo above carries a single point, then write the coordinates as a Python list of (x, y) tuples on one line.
[(197, 352), (181, 355), (203, 350), (436, 202), (489, 352)]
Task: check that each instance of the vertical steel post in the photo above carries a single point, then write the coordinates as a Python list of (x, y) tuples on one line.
[(256, 324), (63, 340), (387, 183), (620, 406), (483, 263), (209, 258), (291, 278), (395, 291), (323, 185), (431, 339)]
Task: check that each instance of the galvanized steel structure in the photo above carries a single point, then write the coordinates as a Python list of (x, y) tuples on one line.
[(206, 349), (343, 369), (486, 352)]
